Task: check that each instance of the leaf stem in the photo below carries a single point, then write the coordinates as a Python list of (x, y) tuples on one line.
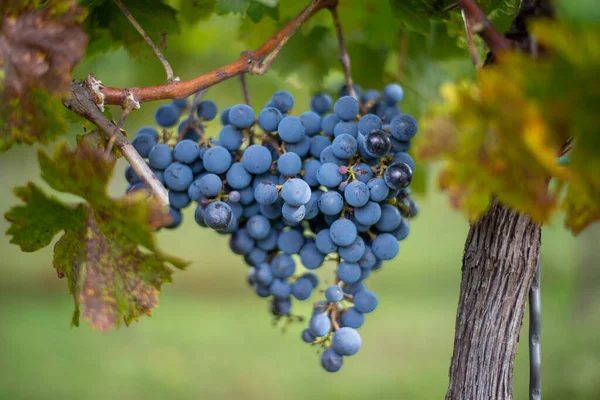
[(344, 57), (481, 25), (161, 57), (253, 61)]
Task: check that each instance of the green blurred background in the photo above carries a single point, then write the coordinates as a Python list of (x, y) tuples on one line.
[(213, 338)]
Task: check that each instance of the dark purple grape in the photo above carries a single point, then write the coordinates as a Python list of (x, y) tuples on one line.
[(377, 143), (398, 176)]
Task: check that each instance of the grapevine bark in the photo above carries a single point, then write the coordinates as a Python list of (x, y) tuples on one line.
[(499, 265)]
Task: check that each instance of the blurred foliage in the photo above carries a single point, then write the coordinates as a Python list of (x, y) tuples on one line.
[(109, 276), (516, 131)]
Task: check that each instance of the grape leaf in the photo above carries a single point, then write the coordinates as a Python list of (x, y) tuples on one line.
[(516, 131), (232, 6), (257, 11), (108, 252), (39, 47), (109, 29), (192, 11)]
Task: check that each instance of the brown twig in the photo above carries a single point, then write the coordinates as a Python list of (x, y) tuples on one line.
[(113, 138), (84, 101), (191, 119), (245, 89), (481, 25), (344, 58), (161, 57), (469, 33), (255, 62)]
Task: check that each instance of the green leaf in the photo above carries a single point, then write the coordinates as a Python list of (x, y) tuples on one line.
[(109, 29), (257, 11), (412, 14), (40, 47), (108, 252), (232, 6), (192, 11)]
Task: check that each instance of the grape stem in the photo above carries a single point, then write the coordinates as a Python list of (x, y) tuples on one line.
[(159, 55), (480, 24), (469, 33), (84, 101), (252, 61), (344, 57), (245, 89)]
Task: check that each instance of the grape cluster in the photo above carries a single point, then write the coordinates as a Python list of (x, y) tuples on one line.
[(322, 186)]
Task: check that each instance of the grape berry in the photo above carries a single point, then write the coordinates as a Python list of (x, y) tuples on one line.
[(322, 186)]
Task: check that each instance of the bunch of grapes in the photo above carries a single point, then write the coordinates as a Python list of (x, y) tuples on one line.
[(323, 186)]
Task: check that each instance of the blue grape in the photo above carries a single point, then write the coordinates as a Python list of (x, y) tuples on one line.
[(310, 172), (334, 294), (346, 108), (331, 361), (311, 122), (186, 151), (324, 243), (207, 110), (302, 288), (354, 252), (199, 215), (331, 203), (217, 160), (319, 325), (369, 96), (314, 279), (401, 232), (289, 164), (345, 127), (328, 124), (251, 210), (344, 146), (257, 159), (290, 242), (148, 130), (368, 260), (317, 144), (218, 215), (231, 138), (310, 256), (258, 227), (246, 195), (131, 176), (346, 341), (266, 193), (406, 159), (262, 291), (266, 177), (283, 101), (400, 146), (176, 218), (160, 156), (263, 275), (301, 148), (368, 214), (312, 207), (241, 243), (329, 175), (143, 144), (330, 219), (293, 213), (295, 192), (369, 123), (160, 175), (365, 301), (307, 336), (343, 232), (179, 200), (291, 130), (363, 172), (178, 176), (272, 211), (385, 246), (327, 156), (377, 143), (321, 103), (393, 93), (139, 187), (237, 176), (269, 119), (236, 208), (390, 218), (166, 115), (281, 306), (225, 116), (378, 189), (241, 116), (270, 242), (280, 289), (352, 318), (180, 103), (348, 272), (356, 194), (344, 90), (403, 127)]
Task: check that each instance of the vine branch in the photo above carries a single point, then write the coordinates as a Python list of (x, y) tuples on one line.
[(253, 61), (84, 102), (469, 33), (481, 25), (344, 57), (161, 57)]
